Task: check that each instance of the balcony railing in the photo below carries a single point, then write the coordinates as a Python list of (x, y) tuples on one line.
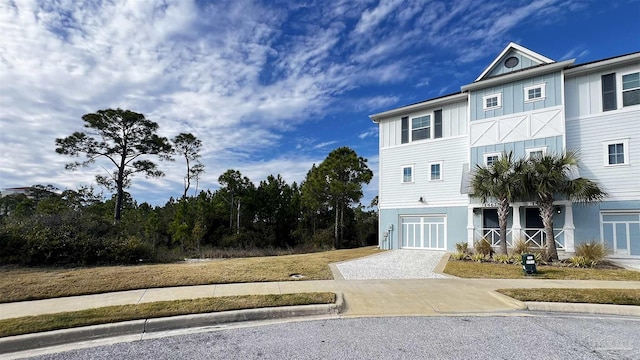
[(534, 236)]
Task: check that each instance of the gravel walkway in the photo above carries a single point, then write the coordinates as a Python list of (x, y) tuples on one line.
[(394, 264)]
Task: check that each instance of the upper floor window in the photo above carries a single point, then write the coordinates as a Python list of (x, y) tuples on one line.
[(421, 128), (491, 102), (491, 158), (425, 126), (536, 153), (534, 92), (631, 89), (407, 174), (616, 152), (435, 171)]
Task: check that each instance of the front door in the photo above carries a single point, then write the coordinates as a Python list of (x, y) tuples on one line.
[(534, 228), (491, 226)]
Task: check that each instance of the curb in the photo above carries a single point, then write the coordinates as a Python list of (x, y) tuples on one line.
[(17, 343), (602, 309)]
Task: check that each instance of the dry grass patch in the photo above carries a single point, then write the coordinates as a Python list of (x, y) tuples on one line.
[(19, 284), (476, 270), (111, 314), (593, 296)]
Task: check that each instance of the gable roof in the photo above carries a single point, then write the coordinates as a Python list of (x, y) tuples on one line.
[(534, 56)]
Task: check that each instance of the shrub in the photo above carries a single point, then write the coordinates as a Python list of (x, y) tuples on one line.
[(580, 261), (483, 247), (521, 246), (462, 247), (478, 257), (542, 256), (502, 258), (459, 255), (592, 251), (516, 259)]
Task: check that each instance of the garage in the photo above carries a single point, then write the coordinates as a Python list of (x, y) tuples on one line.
[(621, 232), (424, 232)]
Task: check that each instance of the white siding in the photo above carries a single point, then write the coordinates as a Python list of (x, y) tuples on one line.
[(583, 93), (452, 152), (588, 134), (454, 123)]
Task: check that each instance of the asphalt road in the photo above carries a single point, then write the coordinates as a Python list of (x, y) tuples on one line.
[(542, 336)]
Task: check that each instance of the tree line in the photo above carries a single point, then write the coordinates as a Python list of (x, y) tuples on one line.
[(44, 226)]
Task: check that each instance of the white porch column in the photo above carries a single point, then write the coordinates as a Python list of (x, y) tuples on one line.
[(516, 228), (569, 228), (470, 228)]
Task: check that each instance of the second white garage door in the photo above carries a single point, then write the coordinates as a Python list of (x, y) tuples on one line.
[(424, 232)]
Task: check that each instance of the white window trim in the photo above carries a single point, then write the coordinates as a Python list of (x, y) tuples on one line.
[(431, 127), (488, 155), (621, 90), (543, 93), (625, 149), (499, 102), (440, 163), (413, 175), (541, 148)]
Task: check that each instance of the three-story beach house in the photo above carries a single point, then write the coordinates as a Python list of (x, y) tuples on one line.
[(529, 104)]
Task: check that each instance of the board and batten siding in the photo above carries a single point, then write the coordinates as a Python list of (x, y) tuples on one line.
[(513, 97), (523, 63), (583, 93), (551, 144), (454, 123), (451, 152), (589, 135)]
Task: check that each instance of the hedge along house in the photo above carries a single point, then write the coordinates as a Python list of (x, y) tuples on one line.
[(529, 104)]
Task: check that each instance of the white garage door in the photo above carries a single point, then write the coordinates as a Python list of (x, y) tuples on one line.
[(621, 232), (424, 232)]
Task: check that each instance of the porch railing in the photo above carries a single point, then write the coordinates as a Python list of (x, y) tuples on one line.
[(534, 236)]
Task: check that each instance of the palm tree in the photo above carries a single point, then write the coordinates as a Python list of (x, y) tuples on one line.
[(503, 181), (550, 175)]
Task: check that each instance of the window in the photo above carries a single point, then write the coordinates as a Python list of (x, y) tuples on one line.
[(534, 92), (435, 171), (609, 101), (421, 128), (616, 152), (407, 174), (489, 159), (536, 153), (491, 102), (631, 89)]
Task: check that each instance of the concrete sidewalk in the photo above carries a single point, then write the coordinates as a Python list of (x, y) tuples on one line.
[(361, 297)]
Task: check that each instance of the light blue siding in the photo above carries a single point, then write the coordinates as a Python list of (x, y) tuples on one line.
[(523, 62), (513, 97), (553, 144), (456, 223)]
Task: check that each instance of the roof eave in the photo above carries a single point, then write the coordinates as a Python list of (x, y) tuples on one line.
[(630, 59), (418, 106)]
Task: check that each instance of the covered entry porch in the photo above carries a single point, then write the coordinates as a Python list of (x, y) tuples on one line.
[(523, 223)]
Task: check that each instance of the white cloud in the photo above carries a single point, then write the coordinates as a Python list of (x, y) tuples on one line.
[(240, 75), (372, 131)]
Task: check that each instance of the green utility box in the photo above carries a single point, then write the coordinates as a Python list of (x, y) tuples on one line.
[(529, 264)]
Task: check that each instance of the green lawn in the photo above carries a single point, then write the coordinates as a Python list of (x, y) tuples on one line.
[(112, 314)]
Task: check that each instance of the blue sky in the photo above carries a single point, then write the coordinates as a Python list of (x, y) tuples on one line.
[(270, 87)]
